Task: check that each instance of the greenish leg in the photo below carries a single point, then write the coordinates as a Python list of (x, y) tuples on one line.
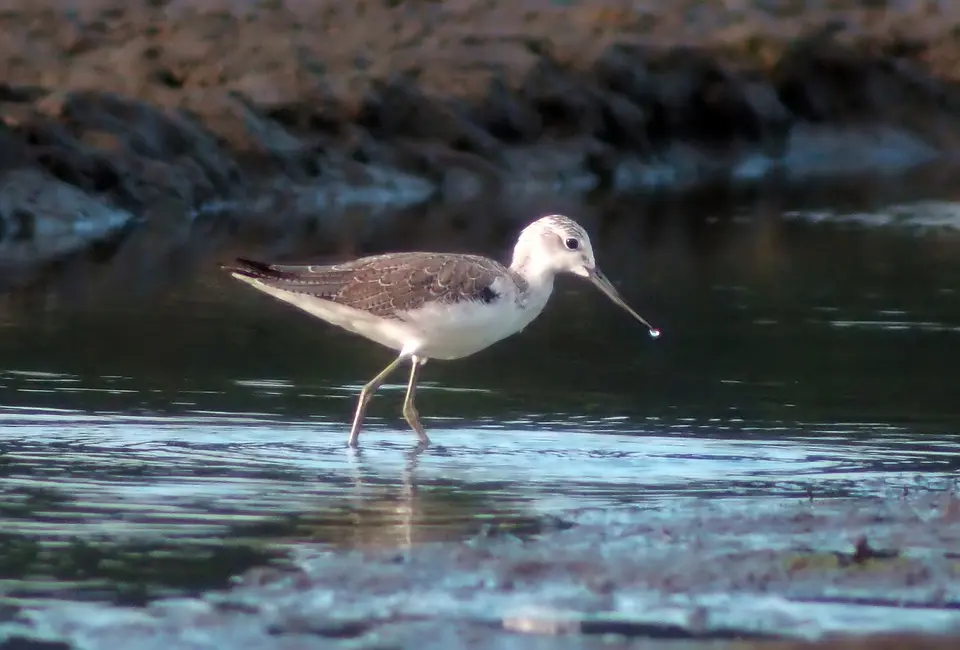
[(365, 396), (409, 410)]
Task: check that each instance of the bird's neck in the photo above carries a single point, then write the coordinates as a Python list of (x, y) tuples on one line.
[(538, 275)]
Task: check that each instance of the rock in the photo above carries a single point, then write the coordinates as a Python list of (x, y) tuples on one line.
[(398, 108), (622, 68), (43, 218), (506, 116), (566, 104)]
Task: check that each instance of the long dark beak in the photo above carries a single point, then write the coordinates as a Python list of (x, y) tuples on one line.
[(602, 283)]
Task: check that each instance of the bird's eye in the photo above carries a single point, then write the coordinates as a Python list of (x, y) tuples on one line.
[(572, 244)]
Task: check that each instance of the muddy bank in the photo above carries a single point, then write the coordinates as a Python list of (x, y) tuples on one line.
[(298, 107), (735, 573)]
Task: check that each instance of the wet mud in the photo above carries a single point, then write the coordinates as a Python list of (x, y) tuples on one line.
[(728, 573), (112, 109)]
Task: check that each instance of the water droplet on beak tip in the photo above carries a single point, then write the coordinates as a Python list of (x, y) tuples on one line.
[(654, 333)]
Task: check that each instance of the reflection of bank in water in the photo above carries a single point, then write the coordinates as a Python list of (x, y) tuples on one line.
[(43, 219), (188, 554), (132, 572)]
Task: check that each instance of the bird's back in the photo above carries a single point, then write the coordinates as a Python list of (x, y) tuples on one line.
[(388, 286)]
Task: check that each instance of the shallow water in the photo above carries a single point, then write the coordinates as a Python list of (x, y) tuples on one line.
[(163, 428)]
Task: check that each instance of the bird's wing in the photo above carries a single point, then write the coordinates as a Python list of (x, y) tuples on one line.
[(386, 285)]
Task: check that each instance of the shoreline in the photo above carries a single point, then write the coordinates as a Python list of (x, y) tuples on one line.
[(120, 108)]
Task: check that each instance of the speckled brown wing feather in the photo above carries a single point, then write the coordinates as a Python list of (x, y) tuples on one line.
[(387, 285)]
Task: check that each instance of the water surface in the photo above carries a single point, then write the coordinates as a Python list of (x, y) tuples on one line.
[(163, 427)]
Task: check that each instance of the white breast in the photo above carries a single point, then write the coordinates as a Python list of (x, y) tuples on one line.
[(456, 330)]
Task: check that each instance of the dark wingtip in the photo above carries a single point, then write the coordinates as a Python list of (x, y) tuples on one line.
[(250, 268)]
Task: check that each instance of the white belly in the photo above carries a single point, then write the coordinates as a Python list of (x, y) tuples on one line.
[(460, 329)]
